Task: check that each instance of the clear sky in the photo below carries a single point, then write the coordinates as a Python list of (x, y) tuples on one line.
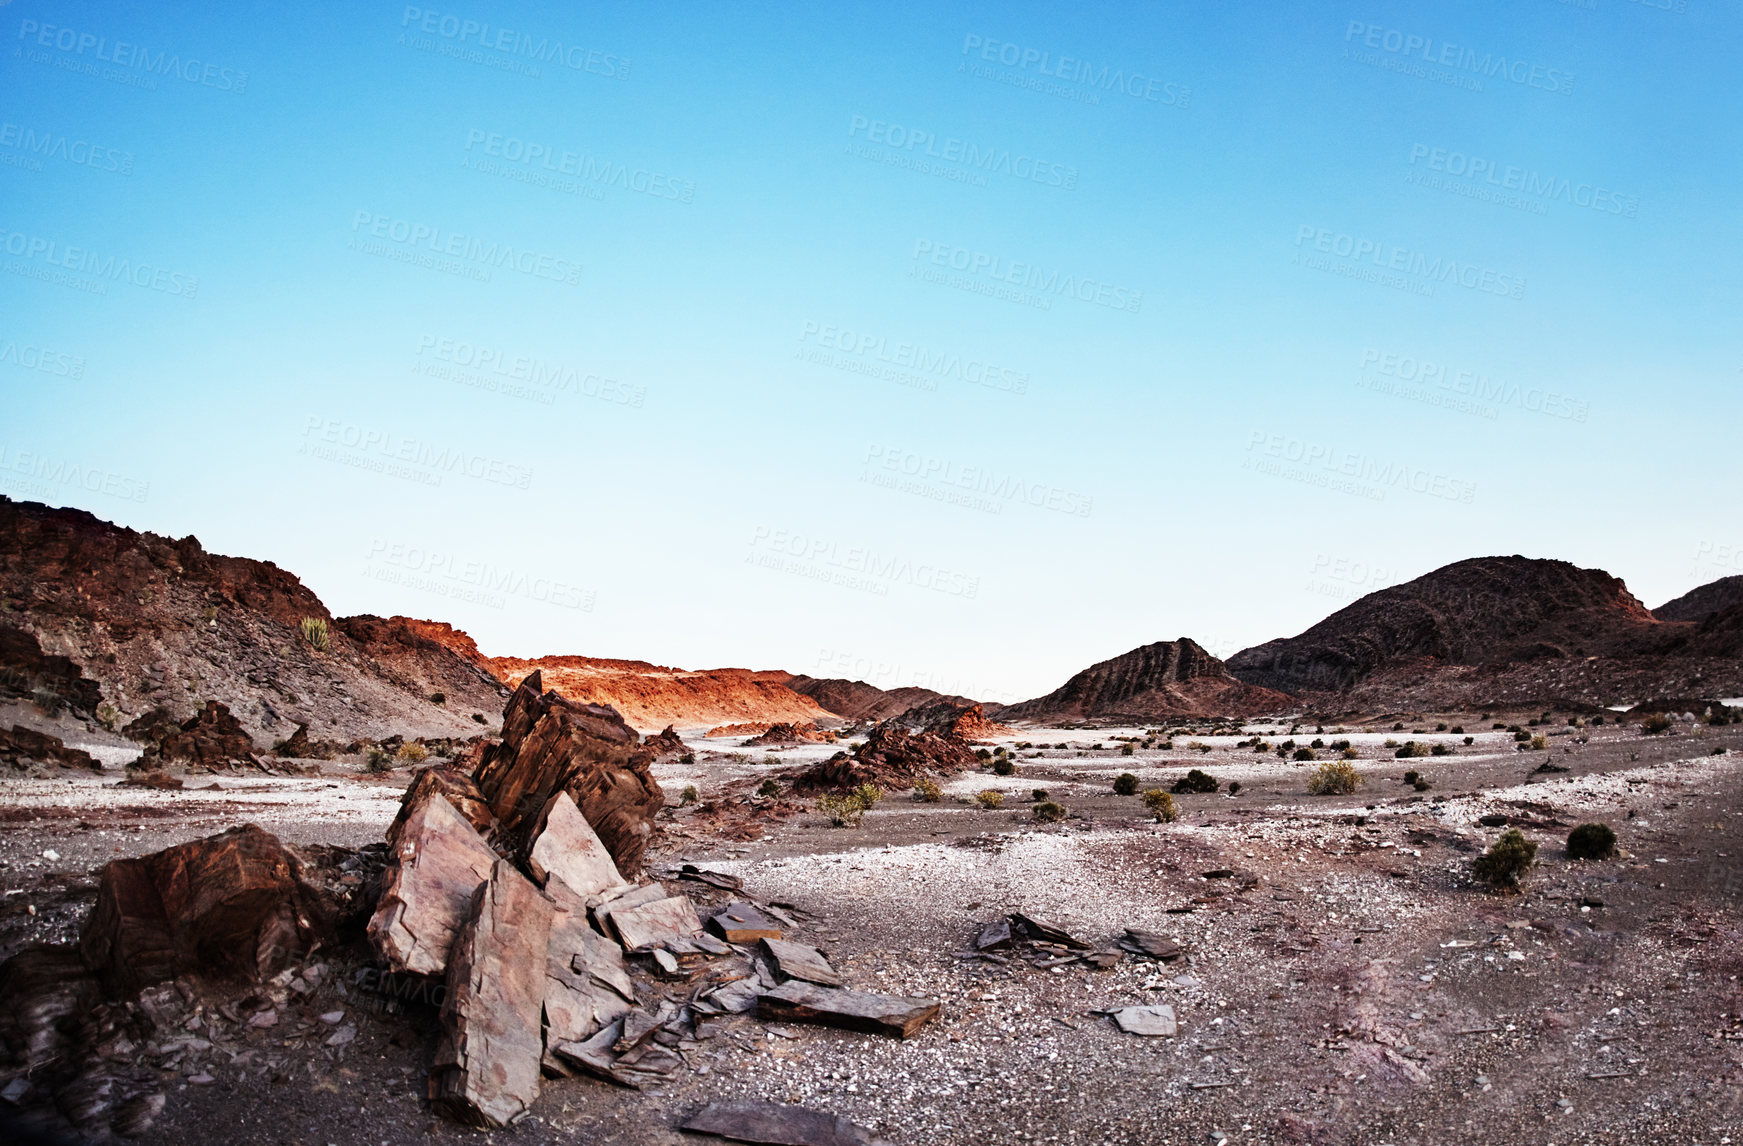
[(961, 350)]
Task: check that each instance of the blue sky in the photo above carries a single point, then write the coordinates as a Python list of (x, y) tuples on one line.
[(958, 350)]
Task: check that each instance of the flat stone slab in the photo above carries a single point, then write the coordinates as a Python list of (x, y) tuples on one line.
[(743, 923), (797, 961), (1031, 928), (1155, 1021), (587, 986), (657, 923), (1151, 943), (568, 847), (426, 895), (802, 1002), (773, 1124)]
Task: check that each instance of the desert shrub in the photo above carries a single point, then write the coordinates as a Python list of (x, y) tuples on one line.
[(1316, 742), (1161, 805), (1522, 737), (1334, 778), (377, 762), (989, 799), (1458, 729), (1506, 860), (107, 716), (1349, 754), (1539, 743), (1440, 727), (1125, 784), (412, 752), (1049, 812), (1004, 766), (1592, 842), (1125, 750), (687, 758), (868, 794), (1596, 720), (1440, 750), (1411, 749), (1199, 745), (314, 633), (1306, 754), (927, 791), (769, 788), (1654, 724), (438, 698), (1390, 743), (1039, 795), (1286, 746), (1421, 785), (1399, 727), (842, 811), (690, 795), (478, 718), (1470, 740), (1234, 787), (1196, 781), (982, 755), (1412, 777), (1719, 751), (1260, 745)]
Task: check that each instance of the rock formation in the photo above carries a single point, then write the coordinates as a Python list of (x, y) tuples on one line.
[(1166, 679), (652, 696), (1702, 602), (892, 757), (858, 701)]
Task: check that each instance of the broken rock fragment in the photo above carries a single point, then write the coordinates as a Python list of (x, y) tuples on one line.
[(1034, 929), (798, 1001), (774, 1124), (742, 923), (451, 784), (797, 961), (587, 986), (656, 923), (438, 862), (1150, 943), (567, 847), (1155, 1021), (486, 1070)]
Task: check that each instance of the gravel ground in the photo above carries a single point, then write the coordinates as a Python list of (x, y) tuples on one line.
[(1348, 983)]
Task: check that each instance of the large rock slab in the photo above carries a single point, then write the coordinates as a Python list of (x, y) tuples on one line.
[(487, 1062), (552, 745), (798, 1001), (453, 785), (774, 1124), (439, 860), (656, 923), (231, 904), (799, 961), (23, 746), (568, 848), (587, 987)]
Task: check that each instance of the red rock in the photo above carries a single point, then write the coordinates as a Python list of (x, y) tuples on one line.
[(666, 743), (782, 733), (232, 904), (210, 738), (487, 1063), (23, 746), (891, 757), (27, 672), (438, 862), (452, 785), (552, 745)]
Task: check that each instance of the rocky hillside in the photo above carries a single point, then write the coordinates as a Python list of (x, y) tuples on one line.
[(652, 696), (1168, 678), (858, 701), (1497, 631), (160, 622), (1700, 603)]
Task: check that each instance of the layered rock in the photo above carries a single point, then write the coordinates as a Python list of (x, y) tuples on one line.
[(952, 720), (1165, 679), (23, 746), (552, 745), (211, 738), (858, 701), (783, 733), (651, 696), (26, 671), (438, 862), (892, 757)]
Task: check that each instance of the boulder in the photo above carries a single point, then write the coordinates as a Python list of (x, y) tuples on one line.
[(211, 738), (892, 757), (27, 672), (234, 904), (552, 745), (567, 848), (666, 743), (784, 733), (452, 785), (487, 1063), (24, 746), (799, 1001), (439, 860)]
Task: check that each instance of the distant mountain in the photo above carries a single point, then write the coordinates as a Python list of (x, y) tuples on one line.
[(1700, 603), (160, 622), (857, 700), (1165, 679), (652, 696), (1496, 631)]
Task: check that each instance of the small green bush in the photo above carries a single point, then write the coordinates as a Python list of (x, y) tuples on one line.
[(1440, 750), (1539, 743), (1592, 842), (1506, 860), (989, 799), (1161, 805), (1234, 787), (927, 791), (868, 794), (1125, 784), (1306, 754), (314, 633), (1654, 724), (1195, 781), (843, 811), (1412, 777), (1334, 778), (1004, 766), (438, 698), (1125, 750), (377, 762), (1411, 749), (107, 716), (1039, 795), (769, 788), (1349, 754), (412, 752), (1441, 727), (690, 795), (1470, 740), (687, 758), (1049, 812), (1457, 729), (478, 718)]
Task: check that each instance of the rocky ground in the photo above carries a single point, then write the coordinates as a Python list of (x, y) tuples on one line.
[(1344, 980)]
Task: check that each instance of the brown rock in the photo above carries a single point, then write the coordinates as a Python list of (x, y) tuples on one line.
[(798, 961), (211, 738), (438, 862), (551, 745), (743, 923), (892, 757), (797, 1001), (786, 733), (666, 743), (23, 746), (486, 1070), (567, 848), (952, 720), (1031, 928), (27, 672), (298, 745), (234, 903), (656, 923), (775, 1125), (452, 785), (587, 987)]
